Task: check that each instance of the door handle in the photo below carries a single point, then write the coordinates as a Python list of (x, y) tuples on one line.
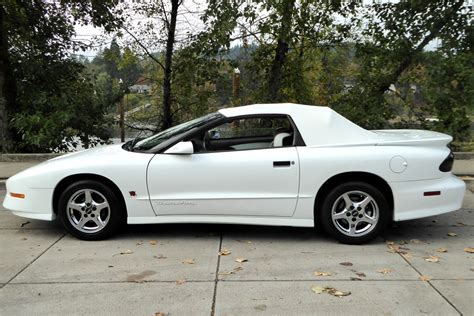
[(281, 164)]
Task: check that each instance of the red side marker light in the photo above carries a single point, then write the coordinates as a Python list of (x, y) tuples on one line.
[(17, 195), (132, 193), (432, 193)]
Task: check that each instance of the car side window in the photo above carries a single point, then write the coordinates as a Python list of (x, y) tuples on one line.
[(248, 133)]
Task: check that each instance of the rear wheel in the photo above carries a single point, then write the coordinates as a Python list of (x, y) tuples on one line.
[(89, 210), (355, 212)]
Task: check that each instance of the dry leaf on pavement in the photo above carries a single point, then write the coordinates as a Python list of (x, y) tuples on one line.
[(139, 243), (160, 314), (322, 273), (384, 270), (442, 249), (416, 241), (330, 290), (179, 282), (431, 259), (126, 252), (224, 252), (241, 260), (188, 261), (469, 249), (452, 234), (152, 242), (424, 278), (347, 264), (361, 274)]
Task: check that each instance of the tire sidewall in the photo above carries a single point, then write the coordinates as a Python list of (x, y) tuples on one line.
[(116, 210), (326, 218)]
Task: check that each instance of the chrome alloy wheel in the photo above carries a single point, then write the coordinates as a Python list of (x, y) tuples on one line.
[(88, 211), (355, 213)]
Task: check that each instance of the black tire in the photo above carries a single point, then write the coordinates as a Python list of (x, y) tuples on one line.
[(89, 217), (344, 229)]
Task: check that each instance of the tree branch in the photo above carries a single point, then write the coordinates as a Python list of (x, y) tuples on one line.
[(144, 48)]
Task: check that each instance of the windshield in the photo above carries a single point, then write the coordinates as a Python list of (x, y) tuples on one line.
[(152, 141)]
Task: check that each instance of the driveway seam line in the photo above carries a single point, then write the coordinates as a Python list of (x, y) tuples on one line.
[(33, 261), (431, 284), (216, 279)]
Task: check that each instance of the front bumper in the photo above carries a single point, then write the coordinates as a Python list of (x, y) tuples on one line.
[(37, 203), (410, 202)]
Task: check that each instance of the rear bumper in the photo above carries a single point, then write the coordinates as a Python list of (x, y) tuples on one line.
[(410, 203), (36, 204)]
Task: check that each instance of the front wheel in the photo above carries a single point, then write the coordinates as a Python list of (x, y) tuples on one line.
[(355, 212), (89, 210)]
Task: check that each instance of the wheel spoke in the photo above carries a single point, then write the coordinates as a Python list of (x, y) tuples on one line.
[(101, 206), (368, 219), (352, 229), (340, 215), (75, 206), (82, 222), (365, 202), (98, 222), (347, 199), (88, 196)]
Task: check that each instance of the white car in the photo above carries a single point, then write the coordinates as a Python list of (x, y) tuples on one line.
[(268, 164)]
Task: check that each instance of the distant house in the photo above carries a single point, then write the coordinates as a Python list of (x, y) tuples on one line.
[(143, 85)]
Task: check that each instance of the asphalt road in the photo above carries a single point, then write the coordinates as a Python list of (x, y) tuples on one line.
[(177, 270)]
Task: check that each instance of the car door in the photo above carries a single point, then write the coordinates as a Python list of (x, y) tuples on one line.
[(261, 182)]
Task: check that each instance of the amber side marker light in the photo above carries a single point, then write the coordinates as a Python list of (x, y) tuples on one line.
[(17, 195), (431, 193)]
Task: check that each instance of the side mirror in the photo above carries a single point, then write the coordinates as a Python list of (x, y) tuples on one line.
[(181, 148)]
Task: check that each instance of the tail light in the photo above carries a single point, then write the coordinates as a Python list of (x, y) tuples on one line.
[(447, 164)]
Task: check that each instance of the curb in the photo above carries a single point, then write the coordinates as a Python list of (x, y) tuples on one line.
[(464, 155)]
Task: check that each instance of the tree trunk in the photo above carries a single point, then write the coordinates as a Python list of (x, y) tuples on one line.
[(167, 117), (7, 87), (281, 50)]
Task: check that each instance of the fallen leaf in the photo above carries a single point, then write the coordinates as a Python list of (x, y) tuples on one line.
[(384, 270), (126, 252), (24, 224), (403, 242), (432, 259), (442, 249), (361, 274), (469, 249), (241, 260), (224, 252), (236, 269), (226, 272), (318, 289), (330, 290), (389, 242), (160, 256), (188, 261), (424, 278), (24, 238), (452, 234), (153, 242), (139, 243), (160, 314), (140, 277), (355, 279), (406, 255), (415, 241), (110, 266), (347, 264), (460, 224), (179, 282), (322, 273)]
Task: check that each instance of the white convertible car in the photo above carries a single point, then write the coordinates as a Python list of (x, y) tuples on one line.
[(269, 164)]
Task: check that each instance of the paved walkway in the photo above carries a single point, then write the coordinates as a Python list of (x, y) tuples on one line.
[(177, 270)]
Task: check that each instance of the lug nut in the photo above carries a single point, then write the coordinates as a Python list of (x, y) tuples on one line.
[(348, 214)]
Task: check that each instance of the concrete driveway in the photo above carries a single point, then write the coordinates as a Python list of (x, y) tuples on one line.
[(177, 270)]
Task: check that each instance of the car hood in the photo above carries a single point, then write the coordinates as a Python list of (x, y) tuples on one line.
[(110, 150)]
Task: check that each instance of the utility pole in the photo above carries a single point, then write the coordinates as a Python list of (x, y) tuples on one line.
[(236, 86), (122, 115)]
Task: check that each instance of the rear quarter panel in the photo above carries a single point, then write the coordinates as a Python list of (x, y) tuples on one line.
[(319, 164)]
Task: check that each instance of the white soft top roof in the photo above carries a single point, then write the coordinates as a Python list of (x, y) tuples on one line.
[(318, 125)]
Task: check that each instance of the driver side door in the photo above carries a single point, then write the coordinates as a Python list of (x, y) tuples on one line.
[(239, 173)]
